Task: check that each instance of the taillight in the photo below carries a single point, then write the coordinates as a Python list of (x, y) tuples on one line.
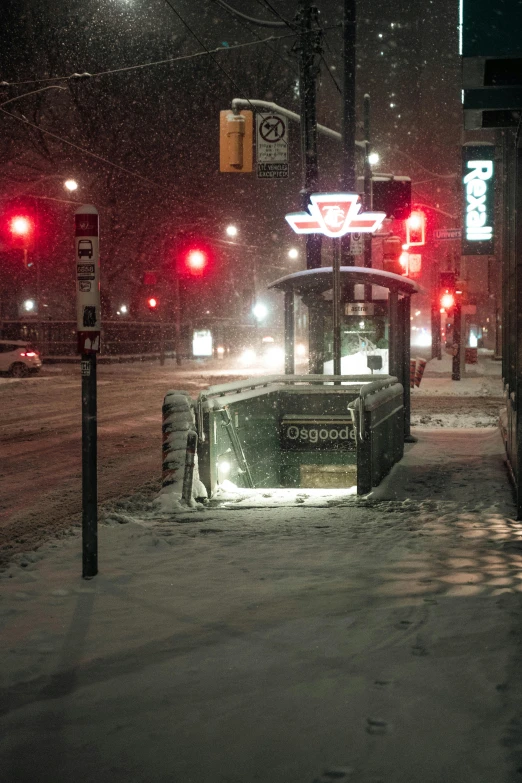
[(28, 353)]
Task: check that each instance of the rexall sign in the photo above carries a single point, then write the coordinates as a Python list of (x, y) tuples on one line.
[(478, 187)]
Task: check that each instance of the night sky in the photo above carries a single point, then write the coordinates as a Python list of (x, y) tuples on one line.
[(160, 124)]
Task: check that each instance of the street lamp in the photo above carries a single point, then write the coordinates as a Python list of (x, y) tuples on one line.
[(29, 305), (260, 311), (231, 231), (293, 253), (71, 185), (373, 158)]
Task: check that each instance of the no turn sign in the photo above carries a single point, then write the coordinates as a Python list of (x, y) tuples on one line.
[(272, 146)]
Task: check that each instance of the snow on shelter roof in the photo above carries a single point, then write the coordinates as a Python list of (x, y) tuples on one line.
[(321, 280)]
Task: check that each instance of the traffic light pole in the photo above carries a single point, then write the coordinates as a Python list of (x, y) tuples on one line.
[(348, 182), (457, 340), (308, 48)]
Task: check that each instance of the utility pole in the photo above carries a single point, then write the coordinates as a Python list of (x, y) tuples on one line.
[(309, 48), (348, 181), (367, 190)]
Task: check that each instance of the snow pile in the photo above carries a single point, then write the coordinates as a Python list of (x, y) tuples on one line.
[(178, 420)]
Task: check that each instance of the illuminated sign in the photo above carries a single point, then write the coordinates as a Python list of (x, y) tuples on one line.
[(478, 183), (335, 214)]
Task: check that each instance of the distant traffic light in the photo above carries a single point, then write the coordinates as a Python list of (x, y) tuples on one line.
[(22, 230), (236, 141), (196, 261), (416, 228), (447, 291), (21, 227), (152, 302), (447, 301)]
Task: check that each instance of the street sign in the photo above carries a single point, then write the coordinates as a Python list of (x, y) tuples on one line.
[(441, 234), (334, 215), (357, 244), (87, 261), (317, 433), (272, 146), (364, 308)]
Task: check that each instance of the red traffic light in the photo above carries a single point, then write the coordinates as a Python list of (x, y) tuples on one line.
[(21, 226), (152, 302), (416, 228), (447, 300), (196, 261)]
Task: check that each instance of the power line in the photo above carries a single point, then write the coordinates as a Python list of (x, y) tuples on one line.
[(265, 40), (266, 3), (201, 43), (206, 52), (83, 150), (260, 22)]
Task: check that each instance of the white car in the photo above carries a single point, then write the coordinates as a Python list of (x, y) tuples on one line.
[(19, 358)]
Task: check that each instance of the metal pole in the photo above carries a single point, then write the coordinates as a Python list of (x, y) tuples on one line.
[(309, 47), (393, 342), (177, 322), (188, 475), (348, 119), (289, 333), (89, 467), (336, 306), (87, 260), (367, 191), (457, 340)]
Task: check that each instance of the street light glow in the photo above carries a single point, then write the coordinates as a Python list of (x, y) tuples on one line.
[(29, 305), (260, 311), (231, 231), (373, 158), (293, 253), (70, 184), (124, 309)]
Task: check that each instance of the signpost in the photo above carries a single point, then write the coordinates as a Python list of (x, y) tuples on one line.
[(334, 215), (272, 146), (444, 234), (87, 262)]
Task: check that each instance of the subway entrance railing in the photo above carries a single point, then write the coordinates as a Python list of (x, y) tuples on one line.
[(300, 431)]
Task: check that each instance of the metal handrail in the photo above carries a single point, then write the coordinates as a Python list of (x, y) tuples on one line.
[(223, 389)]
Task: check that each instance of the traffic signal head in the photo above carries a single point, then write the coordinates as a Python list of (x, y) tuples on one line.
[(21, 226), (393, 260), (416, 228), (196, 261), (447, 300), (152, 302)]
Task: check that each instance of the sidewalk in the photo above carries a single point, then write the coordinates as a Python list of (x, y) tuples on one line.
[(381, 635)]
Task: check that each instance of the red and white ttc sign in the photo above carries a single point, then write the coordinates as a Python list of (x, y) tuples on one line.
[(87, 261)]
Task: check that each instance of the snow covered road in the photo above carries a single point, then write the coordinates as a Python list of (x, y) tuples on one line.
[(40, 442)]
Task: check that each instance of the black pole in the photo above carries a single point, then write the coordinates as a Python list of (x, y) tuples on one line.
[(289, 333), (457, 340), (309, 47), (348, 119), (336, 306), (89, 467)]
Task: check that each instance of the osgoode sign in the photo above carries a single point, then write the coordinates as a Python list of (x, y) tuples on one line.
[(316, 434), (478, 184)]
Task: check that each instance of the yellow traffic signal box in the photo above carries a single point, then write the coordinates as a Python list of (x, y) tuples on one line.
[(236, 141)]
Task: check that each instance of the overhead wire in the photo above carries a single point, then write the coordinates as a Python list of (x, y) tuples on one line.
[(25, 121), (140, 66), (202, 43)]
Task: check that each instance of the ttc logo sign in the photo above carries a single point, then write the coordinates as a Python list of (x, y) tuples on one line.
[(335, 214)]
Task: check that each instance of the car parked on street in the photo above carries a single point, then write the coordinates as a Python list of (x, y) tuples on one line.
[(19, 358)]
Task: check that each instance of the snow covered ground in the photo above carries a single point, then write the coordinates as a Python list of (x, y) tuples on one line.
[(274, 637)]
